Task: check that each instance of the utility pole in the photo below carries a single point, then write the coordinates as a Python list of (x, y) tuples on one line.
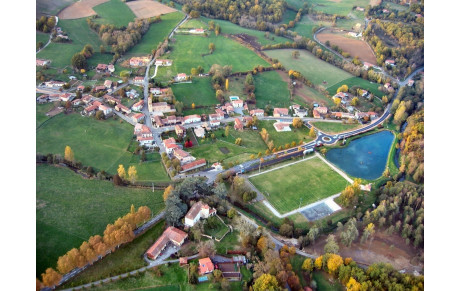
[(153, 187)]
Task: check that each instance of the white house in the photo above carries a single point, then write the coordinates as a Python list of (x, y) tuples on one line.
[(163, 62), (199, 132), (197, 211), (282, 126), (181, 77), (138, 106), (192, 118), (238, 103), (183, 156), (107, 110)]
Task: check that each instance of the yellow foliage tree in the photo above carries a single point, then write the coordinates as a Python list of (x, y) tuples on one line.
[(334, 262), (167, 191), (226, 84), (262, 244), (319, 262), (353, 285), (132, 173), (68, 154), (348, 261), (354, 101), (307, 265), (312, 132), (337, 101), (121, 171), (51, 278), (193, 105), (297, 122), (266, 282)]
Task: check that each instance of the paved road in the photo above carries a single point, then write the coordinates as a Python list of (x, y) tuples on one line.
[(49, 40)]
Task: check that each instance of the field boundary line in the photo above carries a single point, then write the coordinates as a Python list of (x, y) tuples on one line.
[(280, 167)]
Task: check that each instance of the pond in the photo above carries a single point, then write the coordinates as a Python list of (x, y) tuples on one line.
[(365, 157)]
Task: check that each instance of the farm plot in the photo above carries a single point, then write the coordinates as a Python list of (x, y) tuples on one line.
[(95, 143), (355, 47), (80, 9), (314, 69), (70, 209), (147, 9), (157, 33), (190, 51), (114, 12), (51, 7), (271, 89), (299, 184), (61, 53), (287, 137)]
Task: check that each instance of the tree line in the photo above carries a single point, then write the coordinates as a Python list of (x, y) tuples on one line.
[(45, 24), (120, 232)]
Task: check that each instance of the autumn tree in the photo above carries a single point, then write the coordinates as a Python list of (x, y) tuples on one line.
[(343, 88), (354, 101), (368, 232), (312, 132), (212, 47), (307, 265), (331, 246), (238, 141), (68, 154), (319, 262), (217, 29), (353, 285), (194, 72), (262, 244), (79, 61), (334, 261), (193, 105), (227, 130), (226, 84), (385, 99), (167, 192), (297, 122), (295, 54), (121, 172), (266, 282), (51, 278)]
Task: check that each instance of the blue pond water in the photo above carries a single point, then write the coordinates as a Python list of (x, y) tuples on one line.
[(364, 157)]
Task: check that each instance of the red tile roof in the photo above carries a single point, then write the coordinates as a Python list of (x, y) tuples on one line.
[(280, 111), (197, 163), (238, 124), (206, 266), (173, 234)]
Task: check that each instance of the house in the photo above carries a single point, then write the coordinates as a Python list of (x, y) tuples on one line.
[(87, 99), (80, 88), (138, 117), (52, 84), (158, 122), (89, 110), (197, 211), (138, 106), (352, 34), (139, 61), (214, 123), (343, 115), (196, 31), (105, 109), (301, 113), (141, 129), (216, 116), (238, 124), (199, 132), (183, 156), (162, 107), (183, 261), (367, 65), (193, 165), (76, 102), (41, 63), (228, 108), (132, 94), (99, 88), (282, 126), (257, 112), (321, 110), (138, 80), (65, 97), (180, 130), (192, 118), (181, 77), (238, 103), (410, 83), (386, 11), (247, 120), (316, 114), (390, 62), (111, 100), (155, 91), (359, 8), (111, 68), (108, 84), (172, 120), (122, 108), (364, 93), (280, 112), (170, 235), (205, 266), (163, 63), (101, 68), (294, 106)]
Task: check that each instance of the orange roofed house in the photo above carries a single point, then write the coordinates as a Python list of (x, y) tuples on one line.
[(170, 235), (206, 266)]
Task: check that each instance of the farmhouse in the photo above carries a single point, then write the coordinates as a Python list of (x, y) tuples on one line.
[(199, 132), (282, 126), (138, 80), (193, 165), (108, 84), (196, 31), (111, 100), (111, 68), (41, 63), (101, 68), (163, 62), (183, 156), (192, 118), (138, 106), (138, 117), (257, 112), (206, 266), (280, 112), (65, 97), (316, 114), (238, 103), (197, 211), (181, 77), (238, 124), (52, 84), (180, 130), (122, 108), (170, 235), (139, 61), (390, 62)]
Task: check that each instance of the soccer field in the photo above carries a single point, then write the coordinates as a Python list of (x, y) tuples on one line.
[(300, 184)]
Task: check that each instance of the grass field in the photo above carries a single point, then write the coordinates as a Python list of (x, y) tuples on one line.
[(305, 182), (282, 138), (114, 12), (310, 66), (322, 282), (41, 110), (218, 232), (356, 81), (309, 95), (341, 8), (305, 26), (333, 127), (211, 152), (199, 92), (125, 259), (109, 139), (188, 49), (195, 23), (289, 15), (156, 34), (70, 209), (231, 28), (271, 89), (51, 7), (150, 170), (43, 37), (80, 34)]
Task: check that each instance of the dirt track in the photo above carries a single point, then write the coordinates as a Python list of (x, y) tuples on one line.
[(147, 8), (83, 8), (354, 47)]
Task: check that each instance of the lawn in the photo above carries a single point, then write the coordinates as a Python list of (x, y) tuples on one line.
[(123, 260), (305, 26), (211, 152), (70, 209), (250, 138), (199, 92), (271, 89), (310, 66), (80, 34), (356, 81), (157, 33), (98, 58), (217, 232), (307, 95), (289, 15), (287, 137), (41, 110), (228, 27), (43, 37), (194, 23), (95, 143), (188, 50), (114, 12), (333, 127), (341, 8), (150, 170), (305, 182), (322, 282)]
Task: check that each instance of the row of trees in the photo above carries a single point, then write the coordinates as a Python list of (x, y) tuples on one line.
[(45, 24), (122, 176), (78, 60), (114, 235)]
